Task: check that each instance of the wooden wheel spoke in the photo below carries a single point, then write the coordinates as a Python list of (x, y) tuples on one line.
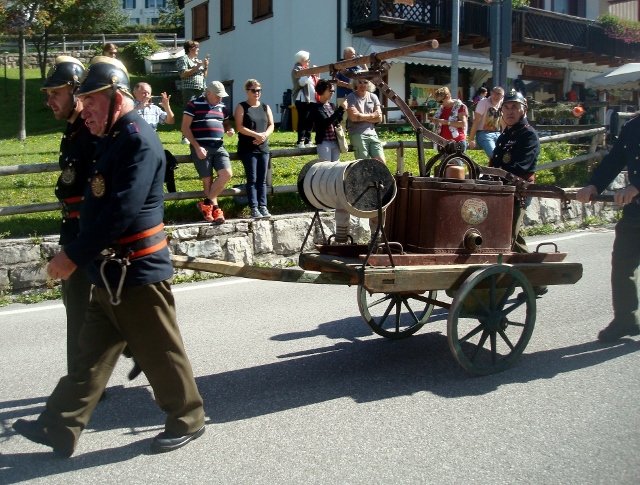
[(398, 305), (506, 339), (513, 307), (509, 290), (493, 348), (405, 301), (480, 345), (472, 333), (516, 324), (378, 301), (383, 318)]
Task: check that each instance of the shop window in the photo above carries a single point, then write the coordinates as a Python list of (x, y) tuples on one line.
[(262, 9), (226, 15), (200, 21)]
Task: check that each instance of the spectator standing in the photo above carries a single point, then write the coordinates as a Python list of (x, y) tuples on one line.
[(122, 245), (254, 124), (481, 93), (192, 71), (110, 50), (205, 120), (152, 113), (77, 149), (343, 81), (450, 119), (303, 95), (625, 257), (485, 128), (364, 111), (325, 117)]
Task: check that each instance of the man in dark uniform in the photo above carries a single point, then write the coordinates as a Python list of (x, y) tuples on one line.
[(77, 149), (123, 247), (625, 257), (517, 150)]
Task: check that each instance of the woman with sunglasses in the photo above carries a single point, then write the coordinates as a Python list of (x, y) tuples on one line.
[(254, 124), (325, 117)]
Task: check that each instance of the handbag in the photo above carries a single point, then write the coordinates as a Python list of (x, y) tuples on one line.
[(342, 139)]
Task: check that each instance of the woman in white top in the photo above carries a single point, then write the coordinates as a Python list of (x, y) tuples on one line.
[(304, 96)]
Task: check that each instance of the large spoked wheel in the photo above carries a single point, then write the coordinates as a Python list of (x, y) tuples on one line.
[(491, 319), (395, 315)]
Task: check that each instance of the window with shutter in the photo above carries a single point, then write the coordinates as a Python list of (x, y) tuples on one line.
[(262, 9), (226, 16), (200, 21)]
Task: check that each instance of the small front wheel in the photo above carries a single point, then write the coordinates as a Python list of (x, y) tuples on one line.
[(395, 315), (491, 319)]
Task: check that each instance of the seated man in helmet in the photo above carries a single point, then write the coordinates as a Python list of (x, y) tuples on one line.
[(517, 150), (123, 247), (77, 149)]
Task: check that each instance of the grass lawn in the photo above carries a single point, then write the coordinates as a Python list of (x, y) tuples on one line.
[(43, 139)]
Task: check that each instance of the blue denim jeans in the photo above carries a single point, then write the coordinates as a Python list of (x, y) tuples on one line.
[(328, 151), (487, 141), (255, 170)]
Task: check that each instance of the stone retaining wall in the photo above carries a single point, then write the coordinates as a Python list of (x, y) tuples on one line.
[(274, 241)]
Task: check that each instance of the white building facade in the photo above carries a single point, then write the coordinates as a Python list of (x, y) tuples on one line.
[(143, 12), (259, 38)]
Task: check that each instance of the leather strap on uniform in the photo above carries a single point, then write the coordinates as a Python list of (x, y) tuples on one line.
[(144, 242)]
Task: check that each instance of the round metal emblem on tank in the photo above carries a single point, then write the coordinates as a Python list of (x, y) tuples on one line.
[(68, 175), (474, 211), (98, 186)]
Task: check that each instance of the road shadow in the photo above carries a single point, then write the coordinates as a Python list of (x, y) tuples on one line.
[(364, 370), (376, 369)]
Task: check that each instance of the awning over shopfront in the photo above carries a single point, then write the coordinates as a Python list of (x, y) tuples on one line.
[(467, 59), (623, 77)]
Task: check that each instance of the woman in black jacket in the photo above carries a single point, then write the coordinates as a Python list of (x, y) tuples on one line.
[(325, 117)]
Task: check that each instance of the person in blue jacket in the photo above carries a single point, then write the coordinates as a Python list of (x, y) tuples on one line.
[(77, 149), (123, 247), (625, 257)]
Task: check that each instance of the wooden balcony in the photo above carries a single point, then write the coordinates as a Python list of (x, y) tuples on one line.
[(535, 32)]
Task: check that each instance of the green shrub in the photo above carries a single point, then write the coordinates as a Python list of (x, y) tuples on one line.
[(133, 54)]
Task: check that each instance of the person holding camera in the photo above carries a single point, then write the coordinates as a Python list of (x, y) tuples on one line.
[(192, 71), (152, 113)]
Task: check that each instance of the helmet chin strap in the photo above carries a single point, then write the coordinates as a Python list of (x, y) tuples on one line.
[(112, 106)]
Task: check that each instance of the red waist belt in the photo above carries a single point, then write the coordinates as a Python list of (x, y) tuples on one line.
[(71, 207), (142, 243)]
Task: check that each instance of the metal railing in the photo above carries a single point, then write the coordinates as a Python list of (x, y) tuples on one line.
[(596, 134), (81, 42)]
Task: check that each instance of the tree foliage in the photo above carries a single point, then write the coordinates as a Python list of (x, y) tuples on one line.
[(172, 16)]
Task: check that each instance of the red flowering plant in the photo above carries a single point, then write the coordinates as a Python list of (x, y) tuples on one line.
[(626, 30)]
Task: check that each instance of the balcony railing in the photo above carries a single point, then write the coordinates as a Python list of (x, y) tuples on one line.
[(529, 25)]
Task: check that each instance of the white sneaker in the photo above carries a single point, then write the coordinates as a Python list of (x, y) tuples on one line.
[(300, 145), (309, 145), (185, 141)]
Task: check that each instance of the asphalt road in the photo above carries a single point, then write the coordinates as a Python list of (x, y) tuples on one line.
[(297, 390)]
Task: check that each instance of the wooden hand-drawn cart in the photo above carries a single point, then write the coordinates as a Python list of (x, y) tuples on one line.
[(444, 243)]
